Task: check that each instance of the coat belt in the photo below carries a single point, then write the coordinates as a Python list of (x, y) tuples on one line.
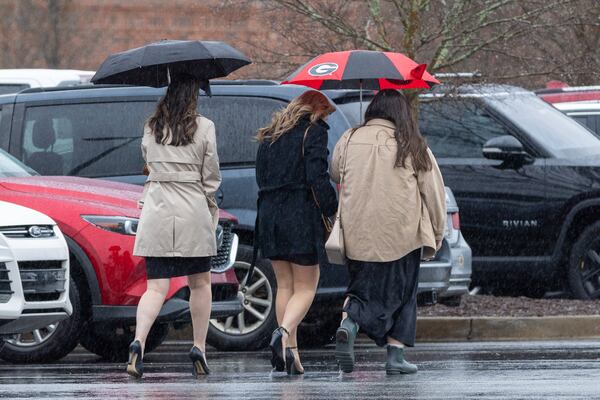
[(285, 186), (179, 176)]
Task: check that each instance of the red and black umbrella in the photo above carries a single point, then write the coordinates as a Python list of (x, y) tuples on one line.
[(362, 69)]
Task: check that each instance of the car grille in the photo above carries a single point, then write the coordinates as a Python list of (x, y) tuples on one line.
[(5, 289), (42, 280), (220, 262), (28, 231)]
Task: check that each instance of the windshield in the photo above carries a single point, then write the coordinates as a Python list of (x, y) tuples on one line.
[(11, 167), (352, 111), (547, 126)]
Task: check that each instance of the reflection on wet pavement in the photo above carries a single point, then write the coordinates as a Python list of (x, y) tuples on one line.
[(532, 370)]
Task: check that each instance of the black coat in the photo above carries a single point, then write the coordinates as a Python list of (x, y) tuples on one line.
[(288, 219)]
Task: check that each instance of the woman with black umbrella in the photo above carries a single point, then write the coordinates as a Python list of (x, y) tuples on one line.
[(176, 232)]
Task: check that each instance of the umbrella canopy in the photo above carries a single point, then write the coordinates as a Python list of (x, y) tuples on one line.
[(155, 63), (362, 69)]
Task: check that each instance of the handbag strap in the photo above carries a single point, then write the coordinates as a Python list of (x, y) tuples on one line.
[(314, 195), (343, 173)]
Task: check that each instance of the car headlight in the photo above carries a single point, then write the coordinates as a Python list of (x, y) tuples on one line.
[(122, 225)]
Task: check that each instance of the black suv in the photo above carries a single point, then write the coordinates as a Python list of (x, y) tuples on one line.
[(527, 181), (98, 132)]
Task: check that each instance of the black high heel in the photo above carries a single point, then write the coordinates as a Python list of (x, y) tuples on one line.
[(135, 364), (276, 345), (290, 362), (200, 367)]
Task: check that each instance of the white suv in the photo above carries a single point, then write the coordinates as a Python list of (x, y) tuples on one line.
[(15, 80), (34, 275)]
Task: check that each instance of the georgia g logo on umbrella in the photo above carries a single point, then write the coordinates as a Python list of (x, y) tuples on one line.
[(323, 69)]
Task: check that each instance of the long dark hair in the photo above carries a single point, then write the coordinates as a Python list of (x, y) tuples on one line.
[(177, 111), (393, 106)]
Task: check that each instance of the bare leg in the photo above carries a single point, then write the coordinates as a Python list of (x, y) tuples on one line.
[(306, 280), (149, 307), (394, 342), (285, 290), (200, 305)]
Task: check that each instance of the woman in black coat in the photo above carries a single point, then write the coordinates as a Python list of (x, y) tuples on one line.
[(294, 194)]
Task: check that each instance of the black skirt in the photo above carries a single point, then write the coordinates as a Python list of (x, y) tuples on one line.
[(383, 298), (170, 267), (299, 259)]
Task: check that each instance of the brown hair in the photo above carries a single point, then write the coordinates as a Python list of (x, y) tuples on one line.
[(176, 112), (391, 105), (311, 103)]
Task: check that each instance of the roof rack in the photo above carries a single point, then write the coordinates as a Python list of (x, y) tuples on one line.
[(74, 87), (459, 75), (253, 82), (568, 89)]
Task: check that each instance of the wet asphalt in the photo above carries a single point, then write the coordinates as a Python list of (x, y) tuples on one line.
[(508, 370)]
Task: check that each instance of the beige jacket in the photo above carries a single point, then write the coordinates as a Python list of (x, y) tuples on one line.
[(179, 214), (387, 212)]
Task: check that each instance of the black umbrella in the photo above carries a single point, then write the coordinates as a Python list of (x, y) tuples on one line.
[(154, 64)]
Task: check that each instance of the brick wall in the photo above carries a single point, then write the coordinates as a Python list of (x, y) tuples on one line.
[(89, 30)]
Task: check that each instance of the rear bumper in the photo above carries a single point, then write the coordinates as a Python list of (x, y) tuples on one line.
[(434, 276), (174, 310), (460, 276)]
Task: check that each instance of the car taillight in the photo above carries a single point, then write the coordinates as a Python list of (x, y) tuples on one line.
[(456, 221)]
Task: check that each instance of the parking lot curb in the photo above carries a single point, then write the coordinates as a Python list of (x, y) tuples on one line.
[(437, 329), (460, 329)]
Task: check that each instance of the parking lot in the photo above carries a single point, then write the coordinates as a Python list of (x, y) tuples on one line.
[(533, 370)]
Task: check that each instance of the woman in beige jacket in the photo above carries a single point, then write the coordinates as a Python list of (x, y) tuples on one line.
[(176, 232), (393, 211)]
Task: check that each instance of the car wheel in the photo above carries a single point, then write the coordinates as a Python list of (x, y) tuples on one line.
[(318, 334), (112, 342), (50, 343), (251, 329), (584, 264)]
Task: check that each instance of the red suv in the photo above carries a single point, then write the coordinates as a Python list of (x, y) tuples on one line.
[(99, 220)]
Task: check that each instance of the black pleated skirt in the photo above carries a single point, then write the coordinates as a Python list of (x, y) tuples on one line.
[(383, 298), (170, 267)]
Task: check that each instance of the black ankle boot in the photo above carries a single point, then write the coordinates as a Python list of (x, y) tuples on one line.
[(135, 365), (397, 364)]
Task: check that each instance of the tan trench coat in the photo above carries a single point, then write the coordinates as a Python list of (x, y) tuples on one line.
[(179, 214), (387, 212)]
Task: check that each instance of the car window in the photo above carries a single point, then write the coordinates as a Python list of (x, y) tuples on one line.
[(585, 121), (90, 140), (545, 125), (11, 167), (237, 119), (457, 128)]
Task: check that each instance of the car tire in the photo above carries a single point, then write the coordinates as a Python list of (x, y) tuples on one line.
[(112, 342), (48, 344), (584, 264), (253, 333), (318, 334)]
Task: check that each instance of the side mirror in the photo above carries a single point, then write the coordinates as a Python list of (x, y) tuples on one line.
[(506, 148)]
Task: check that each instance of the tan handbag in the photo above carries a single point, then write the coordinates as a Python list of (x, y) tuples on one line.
[(335, 247)]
